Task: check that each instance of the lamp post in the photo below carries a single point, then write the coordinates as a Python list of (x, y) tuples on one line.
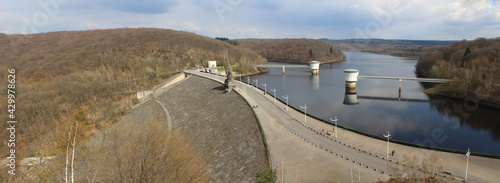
[(256, 83), (335, 120), (467, 166), (248, 80), (265, 88), (388, 136), (305, 112), (274, 90), (286, 98)]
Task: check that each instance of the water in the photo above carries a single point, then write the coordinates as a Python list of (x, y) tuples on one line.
[(417, 118)]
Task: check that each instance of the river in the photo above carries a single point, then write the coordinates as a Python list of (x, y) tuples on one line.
[(416, 117)]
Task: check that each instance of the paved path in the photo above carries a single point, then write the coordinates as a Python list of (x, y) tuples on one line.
[(304, 152)]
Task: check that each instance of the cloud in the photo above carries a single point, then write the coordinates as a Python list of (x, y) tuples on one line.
[(425, 19), (191, 26), (138, 6)]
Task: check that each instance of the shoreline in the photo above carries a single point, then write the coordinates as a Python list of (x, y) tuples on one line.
[(437, 91), (365, 134), (483, 164), (400, 142), (455, 151)]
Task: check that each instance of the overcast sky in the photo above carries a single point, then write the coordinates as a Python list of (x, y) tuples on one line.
[(335, 19)]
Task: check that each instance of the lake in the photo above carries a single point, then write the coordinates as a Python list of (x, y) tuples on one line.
[(416, 117)]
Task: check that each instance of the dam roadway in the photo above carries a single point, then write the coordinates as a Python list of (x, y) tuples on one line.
[(305, 152)]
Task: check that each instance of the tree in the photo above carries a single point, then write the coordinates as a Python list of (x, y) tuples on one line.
[(233, 42), (466, 59), (222, 38), (310, 53)]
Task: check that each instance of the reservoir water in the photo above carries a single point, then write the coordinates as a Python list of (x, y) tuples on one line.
[(416, 117)]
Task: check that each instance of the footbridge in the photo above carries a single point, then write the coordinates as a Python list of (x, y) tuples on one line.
[(352, 99), (427, 80), (352, 76)]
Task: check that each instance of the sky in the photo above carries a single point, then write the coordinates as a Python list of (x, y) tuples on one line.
[(333, 19)]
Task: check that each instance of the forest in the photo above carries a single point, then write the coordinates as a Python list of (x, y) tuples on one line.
[(394, 47), (72, 85), (293, 50), (474, 67)]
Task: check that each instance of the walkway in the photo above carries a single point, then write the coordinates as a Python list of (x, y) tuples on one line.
[(286, 66)]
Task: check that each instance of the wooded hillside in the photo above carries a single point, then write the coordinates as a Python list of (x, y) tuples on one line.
[(293, 50), (394, 47), (89, 78), (474, 67)]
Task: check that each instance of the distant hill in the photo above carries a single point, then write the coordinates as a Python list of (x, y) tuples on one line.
[(91, 77), (395, 47), (61, 53), (293, 50)]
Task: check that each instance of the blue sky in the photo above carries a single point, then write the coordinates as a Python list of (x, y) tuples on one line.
[(335, 19)]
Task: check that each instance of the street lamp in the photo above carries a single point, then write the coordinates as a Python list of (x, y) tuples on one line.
[(265, 88), (467, 166), (286, 101), (388, 136), (256, 83), (305, 112), (248, 80), (274, 90), (335, 120)]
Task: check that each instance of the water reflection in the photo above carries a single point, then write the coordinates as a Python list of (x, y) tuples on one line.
[(411, 117), (350, 96), (480, 118), (315, 81), (350, 99)]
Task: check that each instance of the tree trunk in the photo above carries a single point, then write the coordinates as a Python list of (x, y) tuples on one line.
[(73, 155)]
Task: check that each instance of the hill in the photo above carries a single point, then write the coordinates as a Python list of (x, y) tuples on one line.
[(395, 47), (474, 67), (293, 50), (90, 78)]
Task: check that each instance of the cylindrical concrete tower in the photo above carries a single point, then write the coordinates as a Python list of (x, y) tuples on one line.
[(314, 65), (351, 77)]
